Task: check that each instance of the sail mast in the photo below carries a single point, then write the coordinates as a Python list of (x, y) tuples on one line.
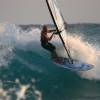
[(70, 59)]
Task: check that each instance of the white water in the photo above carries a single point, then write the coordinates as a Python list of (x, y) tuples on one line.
[(20, 91), (85, 52)]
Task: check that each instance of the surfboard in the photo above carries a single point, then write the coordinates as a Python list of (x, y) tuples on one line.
[(58, 21), (75, 66)]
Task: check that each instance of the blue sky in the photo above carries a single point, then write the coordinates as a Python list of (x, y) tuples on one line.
[(36, 12)]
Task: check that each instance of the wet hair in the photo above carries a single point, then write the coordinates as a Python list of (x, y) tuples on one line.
[(45, 28)]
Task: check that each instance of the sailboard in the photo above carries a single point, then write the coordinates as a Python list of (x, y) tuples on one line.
[(58, 21)]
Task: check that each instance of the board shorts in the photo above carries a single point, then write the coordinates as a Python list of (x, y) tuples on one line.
[(48, 46)]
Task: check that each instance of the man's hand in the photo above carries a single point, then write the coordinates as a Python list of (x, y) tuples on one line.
[(56, 33)]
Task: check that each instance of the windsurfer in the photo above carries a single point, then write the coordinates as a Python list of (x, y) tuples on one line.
[(45, 41)]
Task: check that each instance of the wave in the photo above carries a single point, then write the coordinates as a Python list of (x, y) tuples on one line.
[(13, 38), (27, 71)]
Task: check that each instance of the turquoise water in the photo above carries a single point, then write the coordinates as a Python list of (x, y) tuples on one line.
[(28, 73)]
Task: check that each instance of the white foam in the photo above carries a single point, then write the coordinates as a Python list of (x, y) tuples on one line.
[(7, 94), (21, 93), (85, 52), (38, 95), (3, 93)]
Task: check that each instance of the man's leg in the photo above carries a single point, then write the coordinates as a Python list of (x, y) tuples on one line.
[(52, 49)]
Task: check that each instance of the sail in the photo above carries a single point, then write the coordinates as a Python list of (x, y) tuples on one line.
[(59, 23), (56, 14)]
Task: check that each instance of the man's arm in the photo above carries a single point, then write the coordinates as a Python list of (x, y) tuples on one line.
[(54, 31), (51, 37), (51, 31)]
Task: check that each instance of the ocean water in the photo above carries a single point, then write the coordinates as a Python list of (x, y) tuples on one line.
[(28, 73)]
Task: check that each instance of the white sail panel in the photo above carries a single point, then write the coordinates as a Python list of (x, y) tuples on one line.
[(56, 14), (59, 24)]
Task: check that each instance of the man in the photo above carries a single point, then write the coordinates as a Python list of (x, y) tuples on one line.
[(45, 41)]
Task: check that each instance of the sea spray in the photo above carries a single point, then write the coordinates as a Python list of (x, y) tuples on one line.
[(11, 36), (86, 52), (6, 46)]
